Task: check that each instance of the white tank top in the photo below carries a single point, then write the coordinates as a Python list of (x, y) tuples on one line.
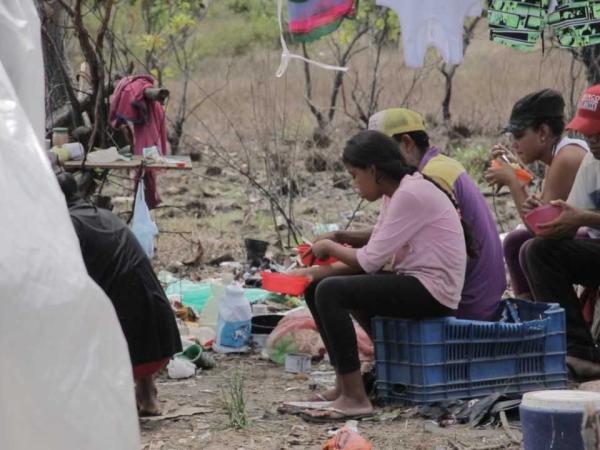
[(569, 141)]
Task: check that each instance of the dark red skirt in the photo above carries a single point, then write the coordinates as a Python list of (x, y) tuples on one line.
[(147, 369)]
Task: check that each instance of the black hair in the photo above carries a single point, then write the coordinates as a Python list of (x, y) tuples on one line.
[(556, 124), (372, 148), (68, 185), (420, 138)]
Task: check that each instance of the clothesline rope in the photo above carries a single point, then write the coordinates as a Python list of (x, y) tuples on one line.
[(286, 55)]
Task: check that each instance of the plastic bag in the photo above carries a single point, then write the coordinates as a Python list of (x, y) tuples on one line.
[(347, 439), (67, 381), (142, 224), (299, 327), (179, 368)]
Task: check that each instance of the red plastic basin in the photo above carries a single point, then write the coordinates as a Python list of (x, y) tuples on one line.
[(541, 214), (283, 283)]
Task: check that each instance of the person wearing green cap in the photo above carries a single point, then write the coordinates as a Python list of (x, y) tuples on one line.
[(536, 125), (556, 261)]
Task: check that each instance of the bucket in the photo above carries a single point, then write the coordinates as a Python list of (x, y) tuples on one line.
[(255, 251), (266, 323), (551, 420)]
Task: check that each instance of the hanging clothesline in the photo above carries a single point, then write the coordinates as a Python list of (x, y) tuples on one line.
[(517, 24)]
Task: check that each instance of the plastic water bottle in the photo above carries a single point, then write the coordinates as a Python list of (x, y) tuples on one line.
[(235, 320), (210, 311)]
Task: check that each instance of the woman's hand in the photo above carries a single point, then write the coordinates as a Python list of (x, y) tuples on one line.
[(322, 249), (532, 202), (564, 225), (504, 175), (500, 151), (315, 273)]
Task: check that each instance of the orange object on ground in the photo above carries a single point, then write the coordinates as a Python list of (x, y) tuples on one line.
[(522, 174), (283, 283), (347, 439), (311, 260)]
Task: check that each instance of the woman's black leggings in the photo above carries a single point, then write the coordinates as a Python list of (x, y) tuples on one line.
[(332, 300)]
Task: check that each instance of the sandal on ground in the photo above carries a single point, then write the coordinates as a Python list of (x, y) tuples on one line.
[(296, 408), (329, 414)]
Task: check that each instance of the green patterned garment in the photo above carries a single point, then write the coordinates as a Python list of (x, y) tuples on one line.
[(520, 23), (576, 23), (517, 24)]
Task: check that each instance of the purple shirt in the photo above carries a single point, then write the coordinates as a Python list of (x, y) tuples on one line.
[(485, 279)]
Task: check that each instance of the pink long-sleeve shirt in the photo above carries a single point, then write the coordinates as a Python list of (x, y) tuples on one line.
[(419, 232)]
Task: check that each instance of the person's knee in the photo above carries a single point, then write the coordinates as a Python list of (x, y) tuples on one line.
[(513, 241), (541, 249), (326, 293)]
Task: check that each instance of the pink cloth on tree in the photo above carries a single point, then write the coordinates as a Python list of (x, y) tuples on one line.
[(128, 105)]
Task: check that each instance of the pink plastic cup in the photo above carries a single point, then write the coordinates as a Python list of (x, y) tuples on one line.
[(540, 215)]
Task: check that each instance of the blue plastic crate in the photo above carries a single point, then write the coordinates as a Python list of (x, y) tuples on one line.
[(437, 359)]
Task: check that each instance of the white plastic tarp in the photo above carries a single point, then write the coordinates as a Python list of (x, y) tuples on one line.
[(66, 380)]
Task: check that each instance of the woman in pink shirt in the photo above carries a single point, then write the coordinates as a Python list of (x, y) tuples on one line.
[(418, 240)]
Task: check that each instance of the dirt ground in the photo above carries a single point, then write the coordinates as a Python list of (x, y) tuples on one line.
[(218, 210), (266, 386)]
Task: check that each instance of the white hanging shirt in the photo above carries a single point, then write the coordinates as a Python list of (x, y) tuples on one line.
[(438, 23)]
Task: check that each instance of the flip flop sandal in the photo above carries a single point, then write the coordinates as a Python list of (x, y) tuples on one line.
[(295, 408), (329, 414)]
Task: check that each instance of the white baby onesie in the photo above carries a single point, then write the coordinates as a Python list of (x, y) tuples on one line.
[(438, 23)]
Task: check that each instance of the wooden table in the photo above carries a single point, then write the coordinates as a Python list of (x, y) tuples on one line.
[(172, 162)]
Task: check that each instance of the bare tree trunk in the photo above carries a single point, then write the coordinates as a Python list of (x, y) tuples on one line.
[(448, 71), (591, 59), (53, 20)]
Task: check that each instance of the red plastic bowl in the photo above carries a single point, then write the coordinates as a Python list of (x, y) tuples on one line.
[(283, 283), (310, 260), (541, 214)]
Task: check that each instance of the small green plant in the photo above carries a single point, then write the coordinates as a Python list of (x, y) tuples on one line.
[(475, 159), (234, 402)]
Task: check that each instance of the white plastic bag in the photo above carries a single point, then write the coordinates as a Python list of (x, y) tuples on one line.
[(66, 375), (142, 224), (235, 320), (179, 368)]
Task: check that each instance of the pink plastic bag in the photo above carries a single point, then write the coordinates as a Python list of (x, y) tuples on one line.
[(347, 439), (301, 327)]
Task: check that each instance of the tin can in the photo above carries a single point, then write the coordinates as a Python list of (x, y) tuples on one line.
[(297, 363)]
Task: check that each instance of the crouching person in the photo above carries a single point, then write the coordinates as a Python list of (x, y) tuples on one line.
[(117, 263)]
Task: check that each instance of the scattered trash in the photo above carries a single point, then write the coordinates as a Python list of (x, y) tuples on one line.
[(234, 324), (259, 309), (347, 439), (297, 363), (179, 368), (297, 333), (196, 355), (322, 228), (255, 251)]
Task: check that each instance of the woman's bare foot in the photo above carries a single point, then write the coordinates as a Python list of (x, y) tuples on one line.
[(146, 397)]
